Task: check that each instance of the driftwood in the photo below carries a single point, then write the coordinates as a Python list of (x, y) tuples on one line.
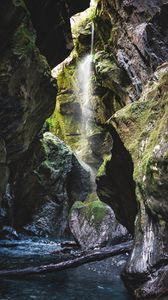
[(90, 256)]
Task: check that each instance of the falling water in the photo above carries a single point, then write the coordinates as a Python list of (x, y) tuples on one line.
[(84, 79), (84, 75)]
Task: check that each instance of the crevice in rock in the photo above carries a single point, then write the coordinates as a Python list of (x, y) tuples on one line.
[(116, 187)]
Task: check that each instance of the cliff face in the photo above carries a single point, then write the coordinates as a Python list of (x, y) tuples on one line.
[(130, 116), (130, 54), (51, 22), (136, 34), (142, 127), (27, 90)]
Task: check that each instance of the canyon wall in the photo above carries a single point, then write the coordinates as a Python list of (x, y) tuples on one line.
[(28, 31), (130, 105)]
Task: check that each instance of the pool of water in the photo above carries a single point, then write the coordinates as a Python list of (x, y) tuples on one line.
[(93, 281)]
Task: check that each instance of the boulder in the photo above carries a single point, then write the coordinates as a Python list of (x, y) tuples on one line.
[(61, 180), (93, 224)]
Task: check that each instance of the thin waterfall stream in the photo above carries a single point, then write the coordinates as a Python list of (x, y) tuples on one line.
[(85, 91)]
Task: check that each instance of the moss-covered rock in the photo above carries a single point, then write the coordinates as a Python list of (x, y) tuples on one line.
[(130, 32), (93, 224), (57, 180), (142, 127), (27, 89), (66, 122)]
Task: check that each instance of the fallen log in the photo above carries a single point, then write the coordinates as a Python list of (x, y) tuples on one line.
[(91, 256)]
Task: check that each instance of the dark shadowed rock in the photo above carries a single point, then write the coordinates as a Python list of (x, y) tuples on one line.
[(51, 21), (60, 181), (8, 232), (27, 90), (115, 185)]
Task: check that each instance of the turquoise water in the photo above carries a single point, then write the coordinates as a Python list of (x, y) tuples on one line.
[(90, 282)]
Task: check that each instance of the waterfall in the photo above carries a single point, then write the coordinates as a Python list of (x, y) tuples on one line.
[(85, 91), (84, 80), (84, 74)]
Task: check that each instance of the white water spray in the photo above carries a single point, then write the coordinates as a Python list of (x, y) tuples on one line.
[(84, 76)]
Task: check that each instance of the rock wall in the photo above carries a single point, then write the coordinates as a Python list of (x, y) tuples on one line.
[(142, 127), (135, 32), (135, 175), (52, 24), (27, 90), (131, 42)]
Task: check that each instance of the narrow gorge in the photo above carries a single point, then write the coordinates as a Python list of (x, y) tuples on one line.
[(83, 149)]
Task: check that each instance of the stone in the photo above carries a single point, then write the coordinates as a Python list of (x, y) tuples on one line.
[(136, 34), (27, 89), (93, 224), (61, 180), (142, 127), (52, 24), (8, 232), (4, 174), (115, 184)]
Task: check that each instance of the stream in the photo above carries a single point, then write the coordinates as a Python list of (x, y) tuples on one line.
[(93, 281)]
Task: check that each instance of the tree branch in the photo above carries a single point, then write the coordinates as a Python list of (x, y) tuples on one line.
[(90, 256)]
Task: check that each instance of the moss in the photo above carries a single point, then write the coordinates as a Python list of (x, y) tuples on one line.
[(82, 26), (20, 3), (96, 209), (102, 169), (24, 41), (91, 209), (77, 205), (142, 127), (95, 130), (66, 127)]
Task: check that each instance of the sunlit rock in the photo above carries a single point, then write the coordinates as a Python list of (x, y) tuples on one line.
[(93, 224)]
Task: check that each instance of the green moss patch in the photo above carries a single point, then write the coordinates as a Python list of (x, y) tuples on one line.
[(92, 210)]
